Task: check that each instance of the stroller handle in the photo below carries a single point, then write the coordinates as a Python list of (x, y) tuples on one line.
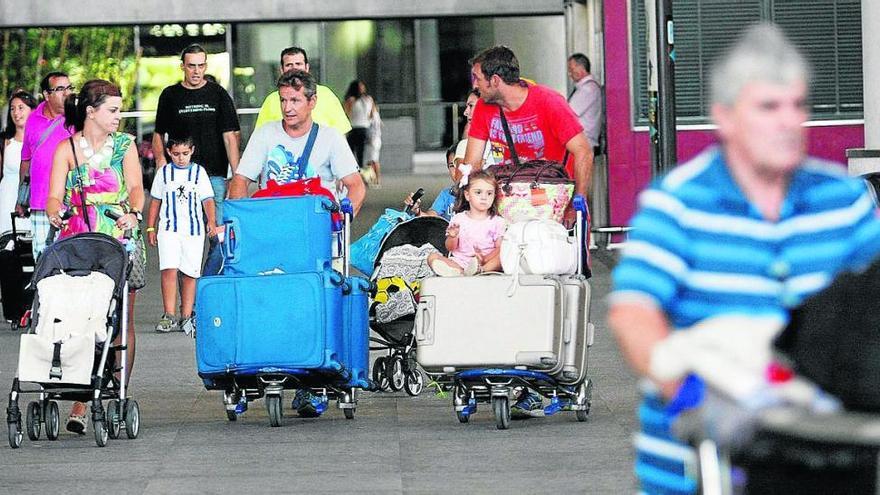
[(416, 196), (112, 215), (53, 230)]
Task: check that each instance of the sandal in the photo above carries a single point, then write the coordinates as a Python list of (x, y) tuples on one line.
[(76, 423)]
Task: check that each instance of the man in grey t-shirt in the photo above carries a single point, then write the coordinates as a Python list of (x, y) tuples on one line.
[(275, 150)]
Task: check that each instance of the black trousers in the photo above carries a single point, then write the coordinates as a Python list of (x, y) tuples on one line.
[(357, 141)]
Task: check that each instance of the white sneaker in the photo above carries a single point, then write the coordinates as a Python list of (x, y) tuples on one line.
[(188, 325), (166, 324), (473, 268), (443, 269)]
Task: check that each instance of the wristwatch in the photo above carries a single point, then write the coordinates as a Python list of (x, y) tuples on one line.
[(137, 214)]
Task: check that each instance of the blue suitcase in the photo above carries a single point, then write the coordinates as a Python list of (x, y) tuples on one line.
[(266, 323), (277, 235), (356, 331)]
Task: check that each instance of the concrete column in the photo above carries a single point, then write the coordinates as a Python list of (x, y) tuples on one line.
[(867, 160), (432, 119)]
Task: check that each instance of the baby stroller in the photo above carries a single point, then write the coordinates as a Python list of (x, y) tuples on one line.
[(488, 335), (393, 302), (67, 354)]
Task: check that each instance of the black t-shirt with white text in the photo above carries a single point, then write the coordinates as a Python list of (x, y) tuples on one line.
[(205, 114)]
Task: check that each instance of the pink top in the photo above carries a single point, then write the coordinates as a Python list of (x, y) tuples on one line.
[(476, 236), (41, 158)]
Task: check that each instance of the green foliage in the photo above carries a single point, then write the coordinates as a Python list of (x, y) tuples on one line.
[(26, 55)]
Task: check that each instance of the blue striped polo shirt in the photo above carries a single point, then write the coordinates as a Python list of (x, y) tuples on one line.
[(699, 248)]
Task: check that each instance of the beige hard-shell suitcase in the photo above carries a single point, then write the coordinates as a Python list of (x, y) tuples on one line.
[(490, 320)]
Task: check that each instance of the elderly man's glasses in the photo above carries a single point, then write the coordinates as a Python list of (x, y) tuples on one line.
[(61, 89)]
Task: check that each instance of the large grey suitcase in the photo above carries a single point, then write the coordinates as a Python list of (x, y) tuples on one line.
[(577, 332), (490, 320)]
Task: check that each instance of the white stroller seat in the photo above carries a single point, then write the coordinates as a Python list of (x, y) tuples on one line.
[(71, 318)]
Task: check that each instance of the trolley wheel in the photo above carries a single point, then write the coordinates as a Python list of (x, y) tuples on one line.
[(101, 433), (379, 377), (32, 421), (585, 391), (273, 406), (394, 372), (349, 413), (52, 420), (501, 406), (231, 415), (462, 417), (114, 419), (132, 418), (414, 382), (15, 434)]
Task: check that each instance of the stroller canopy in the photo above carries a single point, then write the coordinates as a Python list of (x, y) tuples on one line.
[(416, 231), (83, 254)]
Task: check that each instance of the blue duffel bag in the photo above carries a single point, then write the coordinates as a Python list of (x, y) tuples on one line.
[(277, 235), (365, 249), (250, 324)]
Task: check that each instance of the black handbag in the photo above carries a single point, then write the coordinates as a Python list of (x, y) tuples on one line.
[(833, 339)]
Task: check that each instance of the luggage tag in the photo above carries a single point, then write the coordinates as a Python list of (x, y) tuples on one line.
[(539, 196)]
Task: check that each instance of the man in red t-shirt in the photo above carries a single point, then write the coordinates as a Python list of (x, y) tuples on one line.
[(541, 123)]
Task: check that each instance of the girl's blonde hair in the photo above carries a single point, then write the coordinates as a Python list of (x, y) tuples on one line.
[(461, 204)]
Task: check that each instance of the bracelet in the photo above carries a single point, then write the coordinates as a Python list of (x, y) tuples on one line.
[(151, 229)]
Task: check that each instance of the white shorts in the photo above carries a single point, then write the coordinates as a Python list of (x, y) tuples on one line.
[(181, 252)]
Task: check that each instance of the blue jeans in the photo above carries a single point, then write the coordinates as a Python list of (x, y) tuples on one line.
[(219, 185), (214, 260)]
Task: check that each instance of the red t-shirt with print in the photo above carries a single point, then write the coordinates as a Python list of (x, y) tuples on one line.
[(540, 127)]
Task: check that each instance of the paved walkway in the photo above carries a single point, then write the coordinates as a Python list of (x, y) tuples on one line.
[(396, 444)]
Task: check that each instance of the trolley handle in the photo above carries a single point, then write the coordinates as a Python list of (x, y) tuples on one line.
[(347, 214)]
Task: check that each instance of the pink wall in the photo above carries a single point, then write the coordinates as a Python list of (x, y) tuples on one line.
[(629, 154)]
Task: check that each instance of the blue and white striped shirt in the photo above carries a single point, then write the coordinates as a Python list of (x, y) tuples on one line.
[(182, 191), (699, 248)]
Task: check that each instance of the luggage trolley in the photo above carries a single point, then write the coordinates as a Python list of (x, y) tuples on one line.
[(282, 321), (483, 359)]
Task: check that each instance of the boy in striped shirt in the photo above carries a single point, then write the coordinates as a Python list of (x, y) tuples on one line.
[(182, 197)]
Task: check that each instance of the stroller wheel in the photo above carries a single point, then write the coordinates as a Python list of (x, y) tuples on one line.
[(462, 417), (414, 382), (501, 406), (101, 433), (394, 373), (379, 377), (273, 406), (230, 415), (52, 420), (349, 413), (114, 421), (32, 421), (132, 419), (15, 434)]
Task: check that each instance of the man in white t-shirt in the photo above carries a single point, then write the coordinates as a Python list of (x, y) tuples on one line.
[(281, 150)]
